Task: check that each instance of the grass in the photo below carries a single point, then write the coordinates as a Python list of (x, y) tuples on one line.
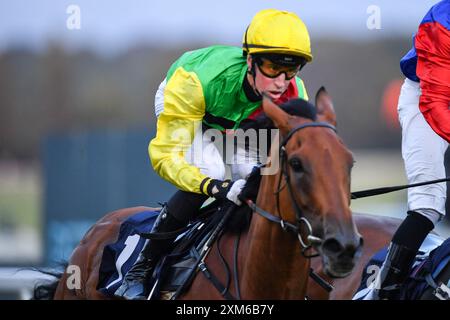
[(19, 209), (20, 196)]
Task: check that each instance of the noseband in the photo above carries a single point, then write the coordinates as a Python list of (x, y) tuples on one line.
[(300, 217)]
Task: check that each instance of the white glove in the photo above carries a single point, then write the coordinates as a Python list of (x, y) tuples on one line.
[(235, 190)]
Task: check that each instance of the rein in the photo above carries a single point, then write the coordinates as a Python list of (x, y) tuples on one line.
[(383, 190)]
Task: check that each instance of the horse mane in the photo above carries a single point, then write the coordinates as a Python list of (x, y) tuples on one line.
[(297, 107)]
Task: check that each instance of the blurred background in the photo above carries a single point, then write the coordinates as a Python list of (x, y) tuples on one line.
[(77, 85)]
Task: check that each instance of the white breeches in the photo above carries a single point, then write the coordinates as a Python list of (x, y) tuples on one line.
[(423, 154)]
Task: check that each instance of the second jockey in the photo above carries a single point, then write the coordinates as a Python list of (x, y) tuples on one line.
[(424, 115)]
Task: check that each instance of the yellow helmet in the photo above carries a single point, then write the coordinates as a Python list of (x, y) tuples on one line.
[(275, 31)]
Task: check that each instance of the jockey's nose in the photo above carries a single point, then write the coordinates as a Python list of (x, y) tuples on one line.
[(279, 81)]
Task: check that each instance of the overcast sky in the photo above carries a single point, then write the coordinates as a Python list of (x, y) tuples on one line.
[(114, 25)]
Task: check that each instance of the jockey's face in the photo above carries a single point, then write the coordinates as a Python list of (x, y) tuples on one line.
[(273, 86)]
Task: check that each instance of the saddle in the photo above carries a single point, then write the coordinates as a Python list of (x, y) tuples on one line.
[(176, 270), (430, 280), (429, 276)]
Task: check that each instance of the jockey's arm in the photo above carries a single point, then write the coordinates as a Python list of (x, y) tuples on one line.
[(433, 69), (184, 108)]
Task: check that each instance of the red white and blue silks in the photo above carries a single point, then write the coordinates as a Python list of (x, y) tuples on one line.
[(429, 62)]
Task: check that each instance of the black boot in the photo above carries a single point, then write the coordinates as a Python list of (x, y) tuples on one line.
[(394, 271), (402, 251), (135, 283)]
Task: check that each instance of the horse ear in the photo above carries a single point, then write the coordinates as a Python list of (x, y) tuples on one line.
[(276, 114), (324, 105)]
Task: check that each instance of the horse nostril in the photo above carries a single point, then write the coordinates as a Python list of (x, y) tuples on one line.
[(332, 246)]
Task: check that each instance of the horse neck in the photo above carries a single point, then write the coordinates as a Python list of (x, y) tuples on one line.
[(273, 267)]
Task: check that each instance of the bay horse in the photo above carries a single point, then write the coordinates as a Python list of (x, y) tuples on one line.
[(272, 264)]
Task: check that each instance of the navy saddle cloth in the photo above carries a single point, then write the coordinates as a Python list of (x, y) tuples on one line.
[(120, 256), (433, 257)]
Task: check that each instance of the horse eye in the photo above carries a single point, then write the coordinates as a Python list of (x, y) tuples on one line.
[(296, 164)]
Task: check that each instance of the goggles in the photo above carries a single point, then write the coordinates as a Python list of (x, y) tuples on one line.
[(273, 70)]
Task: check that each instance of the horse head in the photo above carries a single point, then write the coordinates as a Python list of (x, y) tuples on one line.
[(316, 166)]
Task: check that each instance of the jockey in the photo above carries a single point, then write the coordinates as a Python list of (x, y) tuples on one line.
[(216, 88), (424, 115)]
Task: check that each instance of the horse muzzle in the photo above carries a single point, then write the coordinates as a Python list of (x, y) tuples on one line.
[(338, 257)]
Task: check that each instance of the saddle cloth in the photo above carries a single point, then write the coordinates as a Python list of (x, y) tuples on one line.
[(120, 256), (173, 269), (433, 256)]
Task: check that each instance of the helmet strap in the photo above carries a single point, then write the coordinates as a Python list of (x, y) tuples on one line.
[(246, 43), (252, 72)]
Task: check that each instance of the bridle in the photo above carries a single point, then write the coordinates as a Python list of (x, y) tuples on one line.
[(285, 225), (300, 217)]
